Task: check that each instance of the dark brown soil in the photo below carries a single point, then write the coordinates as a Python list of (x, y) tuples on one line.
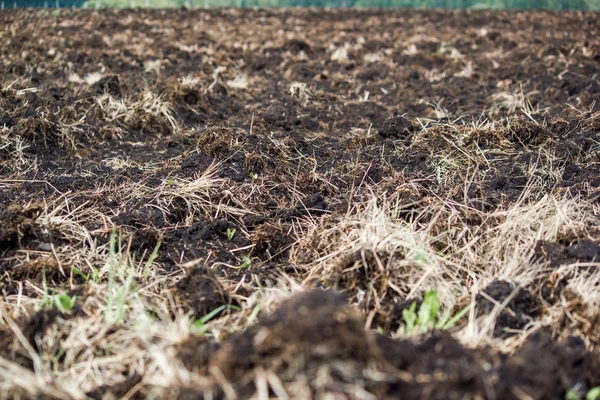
[(201, 292), (316, 326), (517, 306), (306, 113)]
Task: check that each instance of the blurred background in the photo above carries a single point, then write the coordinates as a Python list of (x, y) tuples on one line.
[(471, 4)]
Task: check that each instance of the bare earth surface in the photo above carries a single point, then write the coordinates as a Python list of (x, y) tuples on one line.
[(245, 203)]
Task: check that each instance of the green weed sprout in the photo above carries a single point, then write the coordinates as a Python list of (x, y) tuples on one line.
[(592, 394), (151, 259), (115, 303), (572, 395), (230, 233), (199, 325), (63, 302), (92, 276), (427, 317), (122, 273), (246, 262)]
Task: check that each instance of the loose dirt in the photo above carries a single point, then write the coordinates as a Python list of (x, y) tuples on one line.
[(300, 178)]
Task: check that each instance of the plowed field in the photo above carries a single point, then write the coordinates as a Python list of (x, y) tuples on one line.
[(330, 204)]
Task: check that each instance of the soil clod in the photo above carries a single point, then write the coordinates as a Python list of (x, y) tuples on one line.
[(397, 127)]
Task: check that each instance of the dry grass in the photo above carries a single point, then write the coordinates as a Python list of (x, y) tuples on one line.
[(380, 251), (435, 249), (204, 195), (268, 205), (13, 158), (126, 110)]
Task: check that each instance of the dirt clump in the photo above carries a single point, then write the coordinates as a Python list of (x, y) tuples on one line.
[(282, 150), (18, 225), (216, 140), (316, 331), (517, 307), (541, 379), (109, 84), (557, 254), (308, 330), (201, 292), (296, 46), (397, 127)]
